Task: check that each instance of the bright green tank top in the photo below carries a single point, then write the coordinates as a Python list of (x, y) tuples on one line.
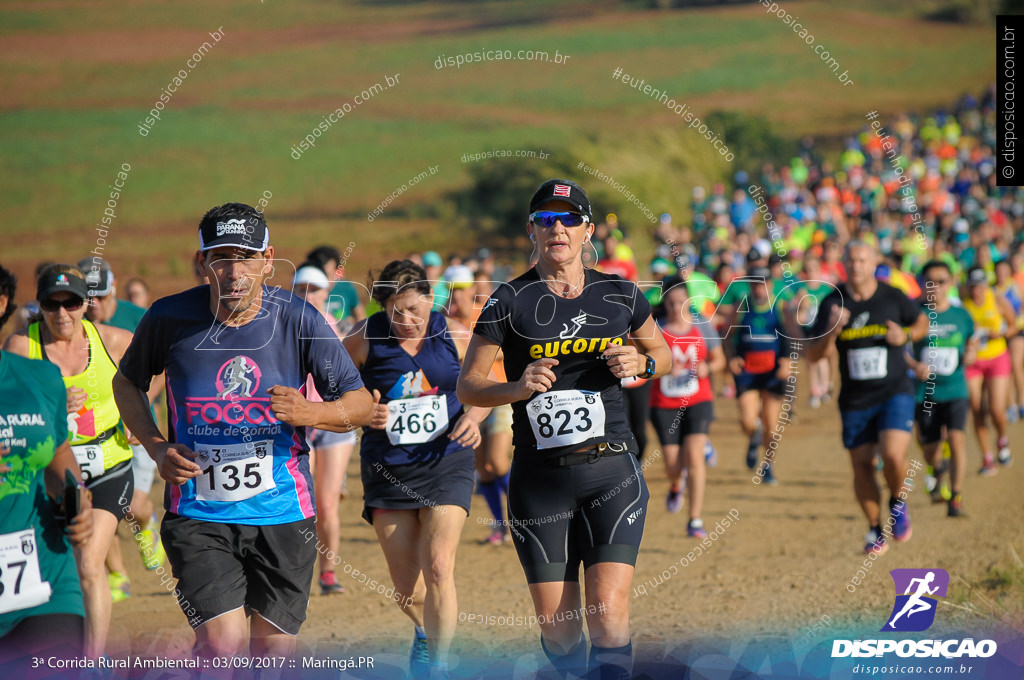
[(94, 432)]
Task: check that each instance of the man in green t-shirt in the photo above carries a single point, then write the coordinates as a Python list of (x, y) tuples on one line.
[(41, 610), (942, 400)]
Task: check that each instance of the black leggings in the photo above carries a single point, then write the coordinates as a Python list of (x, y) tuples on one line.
[(638, 411), (60, 635)]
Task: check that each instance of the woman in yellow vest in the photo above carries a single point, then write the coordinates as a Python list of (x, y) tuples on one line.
[(86, 356), (993, 322)]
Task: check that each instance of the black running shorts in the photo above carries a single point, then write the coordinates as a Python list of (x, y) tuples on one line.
[(221, 567), (112, 491), (586, 513), (676, 424), (952, 414)]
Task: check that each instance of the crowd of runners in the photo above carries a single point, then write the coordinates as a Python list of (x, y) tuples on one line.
[(534, 386)]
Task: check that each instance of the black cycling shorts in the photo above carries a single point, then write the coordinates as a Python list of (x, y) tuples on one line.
[(562, 516), (676, 424), (952, 414), (220, 567)]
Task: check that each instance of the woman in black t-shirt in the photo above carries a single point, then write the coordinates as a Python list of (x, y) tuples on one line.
[(569, 335)]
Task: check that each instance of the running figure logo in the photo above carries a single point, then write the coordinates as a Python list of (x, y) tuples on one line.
[(914, 610), (411, 384), (238, 377), (579, 321)]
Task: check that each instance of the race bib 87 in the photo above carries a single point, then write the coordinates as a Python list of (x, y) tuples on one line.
[(21, 585), (566, 417)]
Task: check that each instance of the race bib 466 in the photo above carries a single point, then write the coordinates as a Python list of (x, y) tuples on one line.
[(416, 421)]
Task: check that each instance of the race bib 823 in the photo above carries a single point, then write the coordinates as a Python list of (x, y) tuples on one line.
[(566, 417)]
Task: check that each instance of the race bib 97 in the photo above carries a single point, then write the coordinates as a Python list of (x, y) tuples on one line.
[(566, 417), (90, 460), (21, 585), (417, 421), (235, 472), (868, 363)]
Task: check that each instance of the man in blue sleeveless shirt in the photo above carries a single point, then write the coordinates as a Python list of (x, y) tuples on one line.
[(239, 498)]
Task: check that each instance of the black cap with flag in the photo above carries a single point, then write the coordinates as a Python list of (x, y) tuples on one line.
[(55, 281), (561, 190)]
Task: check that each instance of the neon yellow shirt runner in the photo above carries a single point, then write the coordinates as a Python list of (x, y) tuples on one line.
[(94, 431), (990, 324)]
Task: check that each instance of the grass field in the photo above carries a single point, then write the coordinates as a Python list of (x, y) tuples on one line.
[(77, 79)]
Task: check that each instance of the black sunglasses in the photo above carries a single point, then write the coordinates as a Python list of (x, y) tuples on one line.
[(70, 304)]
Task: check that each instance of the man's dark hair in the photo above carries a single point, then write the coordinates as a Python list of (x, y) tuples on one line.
[(931, 264), (235, 211), (321, 255), (670, 282), (8, 287)]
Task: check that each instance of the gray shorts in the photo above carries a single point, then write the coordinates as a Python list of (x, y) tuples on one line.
[(143, 469), (325, 439)]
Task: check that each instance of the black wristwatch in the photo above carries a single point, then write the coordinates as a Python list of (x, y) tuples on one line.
[(649, 373)]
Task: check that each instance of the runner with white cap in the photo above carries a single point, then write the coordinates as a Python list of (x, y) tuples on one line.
[(104, 307), (329, 451)]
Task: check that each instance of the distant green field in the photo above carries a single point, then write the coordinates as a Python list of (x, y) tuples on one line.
[(75, 83)]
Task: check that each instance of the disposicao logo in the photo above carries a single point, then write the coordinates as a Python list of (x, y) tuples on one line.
[(914, 610), (917, 593)]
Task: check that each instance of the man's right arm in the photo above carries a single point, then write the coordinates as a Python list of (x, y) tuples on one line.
[(174, 461), (133, 405)]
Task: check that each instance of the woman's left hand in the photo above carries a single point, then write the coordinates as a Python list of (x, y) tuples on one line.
[(467, 432), (624, 360)]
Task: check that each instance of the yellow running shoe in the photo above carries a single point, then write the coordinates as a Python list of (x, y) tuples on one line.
[(120, 586), (151, 549)]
